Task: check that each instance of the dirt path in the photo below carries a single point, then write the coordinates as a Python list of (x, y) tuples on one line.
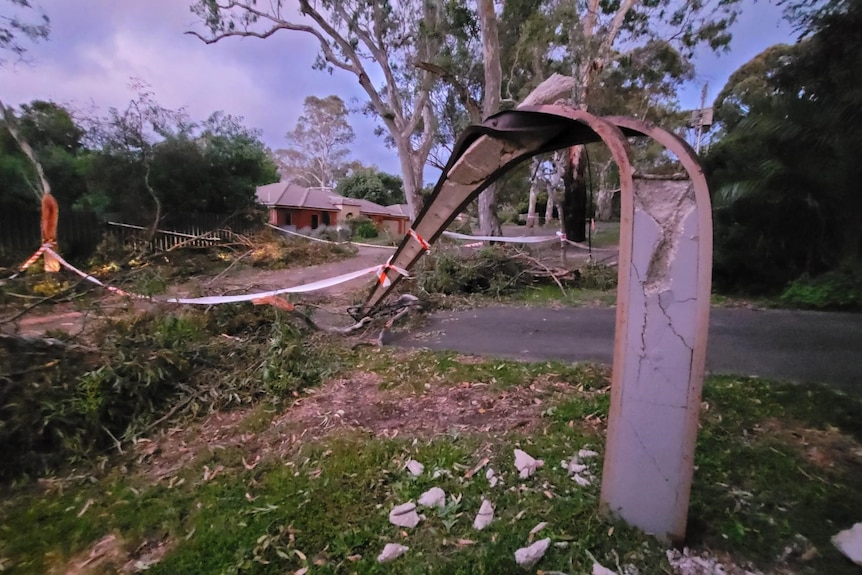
[(69, 318)]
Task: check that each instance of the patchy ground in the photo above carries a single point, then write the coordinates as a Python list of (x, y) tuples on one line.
[(357, 402), (78, 318)]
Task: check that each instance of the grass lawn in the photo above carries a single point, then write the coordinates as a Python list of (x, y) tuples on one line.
[(276, 490)]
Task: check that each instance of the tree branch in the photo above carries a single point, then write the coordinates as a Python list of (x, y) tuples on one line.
[(473, 107), (12, 126)]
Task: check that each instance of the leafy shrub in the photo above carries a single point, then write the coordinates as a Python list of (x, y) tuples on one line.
[(363, 228), (61, 404), (597, 276), (291, 363), (837, 289), (271, 252), (491, 270)]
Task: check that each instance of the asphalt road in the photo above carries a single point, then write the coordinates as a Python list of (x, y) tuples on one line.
[(797, 346)]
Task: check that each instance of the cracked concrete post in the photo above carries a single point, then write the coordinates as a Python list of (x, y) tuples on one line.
[(659, 352)]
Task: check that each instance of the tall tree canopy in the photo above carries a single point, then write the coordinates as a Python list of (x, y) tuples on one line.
[(57, 142), (373, 185), (132, 158), (367, 39), (785, 170), (317, 150), (625, 57)]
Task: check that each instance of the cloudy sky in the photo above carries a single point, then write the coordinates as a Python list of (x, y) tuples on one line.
[(96, 46)]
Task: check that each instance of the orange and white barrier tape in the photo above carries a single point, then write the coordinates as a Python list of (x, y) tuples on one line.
[(383, 275), (90, 278), (505, 239), (265, 297), (30, 261), (329, 241), (415, 235)]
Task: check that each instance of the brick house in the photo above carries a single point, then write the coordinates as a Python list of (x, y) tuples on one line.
[(299, 207)]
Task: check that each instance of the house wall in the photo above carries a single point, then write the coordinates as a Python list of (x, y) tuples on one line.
[(394, 227), (300, 218), (347, 213)]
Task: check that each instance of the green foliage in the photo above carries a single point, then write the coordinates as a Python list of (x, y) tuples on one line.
[(785, 182), (58, 406), (291, 364), (490, 271), (373, 185), (595, 276), (837, 289), (323, 504), (212, 167), (317, 151), (363, 228), (57, 142)]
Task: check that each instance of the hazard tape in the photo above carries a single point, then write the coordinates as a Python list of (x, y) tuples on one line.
[(559, 236), (329, 241), (507, 239), (383, 277), (30, 261), (589, 248), (214, 300), (91, 279), (415, 235)]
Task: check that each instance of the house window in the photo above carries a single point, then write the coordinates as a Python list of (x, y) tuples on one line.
[(286, 218), (325, 218), (315, 221)]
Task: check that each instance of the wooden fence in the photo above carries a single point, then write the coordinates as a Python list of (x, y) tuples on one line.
[(79, 233), (193, 230)]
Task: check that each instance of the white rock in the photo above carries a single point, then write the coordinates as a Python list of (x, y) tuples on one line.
[(485, 515), (492, 478), (575, 466), (599, 570), (529, 556), (584, 453), (849, 542), (404, 515), (526, 464), (391, 551), (415, 468), (441, 473), (581, 480), (434, 497)]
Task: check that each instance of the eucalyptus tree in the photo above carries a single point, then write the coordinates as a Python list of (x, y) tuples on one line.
[(317, 151), (377, 42)]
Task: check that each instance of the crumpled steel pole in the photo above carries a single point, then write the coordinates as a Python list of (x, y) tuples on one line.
[(662, 299)]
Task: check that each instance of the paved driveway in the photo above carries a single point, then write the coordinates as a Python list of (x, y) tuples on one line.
[(799, 346)]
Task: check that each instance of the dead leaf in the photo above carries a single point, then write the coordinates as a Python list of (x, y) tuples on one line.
[(274, 301), (473, 471), (85, 507)]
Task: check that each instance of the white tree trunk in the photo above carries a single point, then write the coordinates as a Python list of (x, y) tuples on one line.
[(534, 193), (489, 224), (605, 205)]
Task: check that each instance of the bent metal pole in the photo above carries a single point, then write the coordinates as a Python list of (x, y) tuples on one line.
[(662, 296)]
